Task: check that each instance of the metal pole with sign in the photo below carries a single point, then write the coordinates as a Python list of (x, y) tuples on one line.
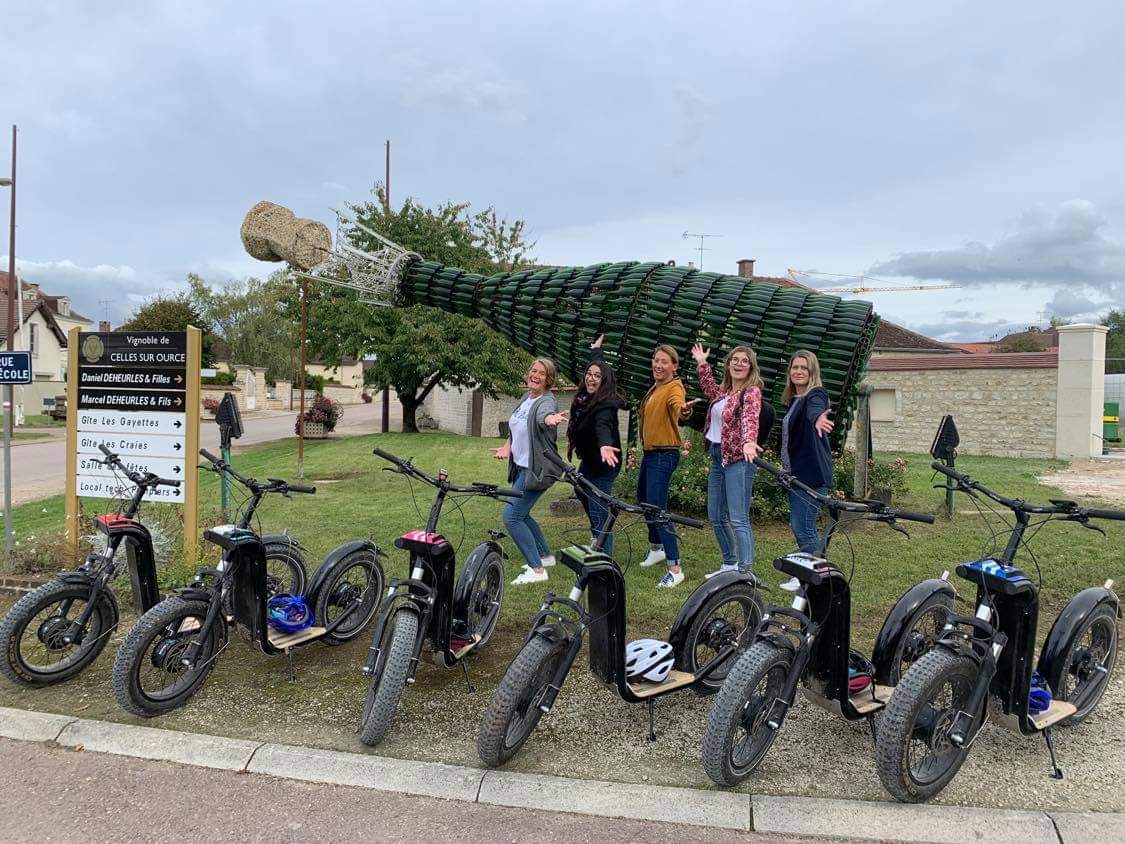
[(15, 368), (136, 393)]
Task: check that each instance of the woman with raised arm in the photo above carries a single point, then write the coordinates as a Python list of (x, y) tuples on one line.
[(732, 442), (532, 429), (660, 412), (805, 452), (594, 434)]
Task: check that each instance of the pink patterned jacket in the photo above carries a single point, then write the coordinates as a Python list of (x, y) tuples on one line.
[(740, 416)]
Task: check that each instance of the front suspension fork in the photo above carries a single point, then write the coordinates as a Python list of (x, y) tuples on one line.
[(551, 693)]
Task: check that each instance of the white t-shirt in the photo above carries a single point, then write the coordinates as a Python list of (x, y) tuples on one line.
[(521, 442), (715, 421)]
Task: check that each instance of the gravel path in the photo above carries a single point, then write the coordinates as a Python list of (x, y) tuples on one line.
[(592, 733), (1104, 479)]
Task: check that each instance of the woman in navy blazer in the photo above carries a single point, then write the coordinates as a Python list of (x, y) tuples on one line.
[(805, 452)]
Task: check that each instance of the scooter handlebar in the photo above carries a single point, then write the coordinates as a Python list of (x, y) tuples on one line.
[(308, 490), (1116, 515), (924, 518), (209, 457)]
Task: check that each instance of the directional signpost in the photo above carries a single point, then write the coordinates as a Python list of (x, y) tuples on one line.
[(136, 393), (15, 368)]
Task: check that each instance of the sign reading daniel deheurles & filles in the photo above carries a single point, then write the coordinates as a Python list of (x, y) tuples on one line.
[(132, 398)]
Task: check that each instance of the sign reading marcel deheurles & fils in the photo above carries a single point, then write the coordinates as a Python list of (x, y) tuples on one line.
[(131, 382), (137, 394)]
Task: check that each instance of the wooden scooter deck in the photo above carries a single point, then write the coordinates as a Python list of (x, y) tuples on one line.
[(864, 701), (283, 641), (674, 680)]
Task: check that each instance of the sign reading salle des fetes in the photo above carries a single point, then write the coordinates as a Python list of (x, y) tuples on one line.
[(132, 398)]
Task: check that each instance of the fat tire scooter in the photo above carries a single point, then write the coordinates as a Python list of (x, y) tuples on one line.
[(456, 620), (707, 631), (77, 611), (943, 701), (808, 644)]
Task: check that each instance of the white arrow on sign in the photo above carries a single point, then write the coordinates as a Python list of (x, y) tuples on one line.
[(100, 486), (144, 445), (163, 467), (130, 422)]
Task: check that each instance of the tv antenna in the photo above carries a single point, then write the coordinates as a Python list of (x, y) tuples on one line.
[(701, 247), (105, 303)]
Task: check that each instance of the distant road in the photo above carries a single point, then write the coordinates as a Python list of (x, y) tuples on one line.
[(39, 468)]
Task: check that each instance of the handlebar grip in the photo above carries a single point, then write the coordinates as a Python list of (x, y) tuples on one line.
[(769, 467), (105, 450), (686, 520), (308, 490), (924, 518), (206, 455), (556, 458), (1107, 514), (166, 482), (938, 466), (509, 493)]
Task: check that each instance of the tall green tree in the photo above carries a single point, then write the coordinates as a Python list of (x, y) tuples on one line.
[(416, 349), (173, 313), (253, 318), (1115, 341)]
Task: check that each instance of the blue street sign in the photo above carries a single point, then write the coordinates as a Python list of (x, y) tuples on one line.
[(15, 367)]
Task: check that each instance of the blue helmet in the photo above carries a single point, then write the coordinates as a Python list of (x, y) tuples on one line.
[(289, 613)]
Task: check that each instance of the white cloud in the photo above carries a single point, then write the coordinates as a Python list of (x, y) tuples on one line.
[(92, 289)]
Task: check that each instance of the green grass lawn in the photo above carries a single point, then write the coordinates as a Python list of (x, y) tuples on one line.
[(355, 499), (40, 420)]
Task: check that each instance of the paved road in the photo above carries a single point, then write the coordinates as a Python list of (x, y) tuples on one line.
[(39, 468), (54, 794)]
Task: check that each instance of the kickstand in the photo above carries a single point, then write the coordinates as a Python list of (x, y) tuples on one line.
[(468, 682), (651, 719), (871, 724), (292, 670), (1056, 772)]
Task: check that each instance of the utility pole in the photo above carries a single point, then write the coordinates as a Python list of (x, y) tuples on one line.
[(301, 416), (386, 424), (701, 247), (9, 404)]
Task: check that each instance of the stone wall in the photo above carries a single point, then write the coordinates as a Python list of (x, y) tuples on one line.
[(1004, 412), (452, 409)]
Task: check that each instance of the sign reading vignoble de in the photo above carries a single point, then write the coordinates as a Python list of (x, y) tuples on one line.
[(132, 398)]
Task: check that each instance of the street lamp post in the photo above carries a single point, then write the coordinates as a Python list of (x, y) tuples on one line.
[(8, 397)]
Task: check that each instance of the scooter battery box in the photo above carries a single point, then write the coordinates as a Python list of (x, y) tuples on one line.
[(807, 568)]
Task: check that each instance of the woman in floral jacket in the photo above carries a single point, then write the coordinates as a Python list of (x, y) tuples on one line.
[(732, 441)]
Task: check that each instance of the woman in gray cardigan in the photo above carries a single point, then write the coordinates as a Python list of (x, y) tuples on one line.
[(533, 431)]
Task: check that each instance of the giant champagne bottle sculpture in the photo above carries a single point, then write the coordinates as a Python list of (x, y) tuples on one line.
[(556, 312)]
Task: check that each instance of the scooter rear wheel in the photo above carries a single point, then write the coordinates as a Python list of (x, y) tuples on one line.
[(738, 737), (389, 678), (1088, 664), (356, 581), (729, 617), (31, 633), (513, 712), (915, 757)]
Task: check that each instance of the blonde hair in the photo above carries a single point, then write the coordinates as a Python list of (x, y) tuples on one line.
[(754, 379), (668, 350), (552, 371), (814, 375)]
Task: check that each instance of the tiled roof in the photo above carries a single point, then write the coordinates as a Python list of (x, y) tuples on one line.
[(973, 348), (893, 337), (992, 360)]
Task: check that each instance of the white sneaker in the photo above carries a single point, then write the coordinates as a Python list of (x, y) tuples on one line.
[(791, 585), (724, 567), (654, 556), (670, 579), (529, 575), (549, 560)]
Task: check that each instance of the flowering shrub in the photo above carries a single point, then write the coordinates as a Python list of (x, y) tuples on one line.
[(323, 410), (210, 404), (688, 493)]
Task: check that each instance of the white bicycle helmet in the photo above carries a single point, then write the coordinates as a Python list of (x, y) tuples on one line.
[(648, 659)]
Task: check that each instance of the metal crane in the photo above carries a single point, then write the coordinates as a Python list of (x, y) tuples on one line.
[(862, 288)]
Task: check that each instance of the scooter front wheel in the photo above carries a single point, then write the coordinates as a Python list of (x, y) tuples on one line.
[(513, 712), (738, 735), (31, 634), (149, 677), (389, 678), (914, 754)]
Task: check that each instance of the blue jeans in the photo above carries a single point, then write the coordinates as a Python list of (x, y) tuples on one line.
[(523, 529), (802, 518), (596, 511), (652, 488), (729, 492)]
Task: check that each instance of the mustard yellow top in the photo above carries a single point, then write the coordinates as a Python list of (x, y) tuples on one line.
[(661, 411)]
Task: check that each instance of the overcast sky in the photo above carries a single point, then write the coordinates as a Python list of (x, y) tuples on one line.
[(965, 142)]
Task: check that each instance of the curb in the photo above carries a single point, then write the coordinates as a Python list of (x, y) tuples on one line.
[(664, 804)]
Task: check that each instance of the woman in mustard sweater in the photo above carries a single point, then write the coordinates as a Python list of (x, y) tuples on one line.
[(661, 410)]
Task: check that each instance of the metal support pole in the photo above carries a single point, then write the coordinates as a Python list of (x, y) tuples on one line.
[(224, 479), (10, 412), (862, 441), (301, 417), (385, 426)]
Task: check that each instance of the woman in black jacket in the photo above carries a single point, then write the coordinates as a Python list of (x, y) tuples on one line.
[(594, 434)]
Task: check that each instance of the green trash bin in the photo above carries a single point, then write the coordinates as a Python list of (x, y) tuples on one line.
[(1111, 422)]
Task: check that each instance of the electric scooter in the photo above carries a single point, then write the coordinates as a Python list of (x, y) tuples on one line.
[(709, 628), (72, 617), (171, 650), (426, 607), (942, 703), (809, 643)]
